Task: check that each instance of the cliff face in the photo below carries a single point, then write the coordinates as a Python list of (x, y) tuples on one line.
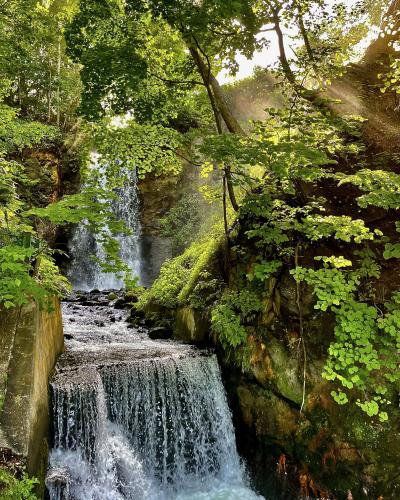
[(289, 429), (157, 197), (327, 449), (30, 342)]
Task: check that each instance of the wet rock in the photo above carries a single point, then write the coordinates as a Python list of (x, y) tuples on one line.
[(149, 322), (74, 297), (120, 303), (191, 325), (58, 479), (99, 322), (131, 297), (288, 297), (160, 332), (89, 303), (136, 313), (286, 368), (267, 414), (112, 296), (67, 336)]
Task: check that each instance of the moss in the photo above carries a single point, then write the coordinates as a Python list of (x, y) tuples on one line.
[(12, 488), (191, 325), (179, 276), (286, 370)]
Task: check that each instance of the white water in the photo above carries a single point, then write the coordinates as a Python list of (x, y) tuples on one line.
[(139, 419), (152, 429), (85, 273)]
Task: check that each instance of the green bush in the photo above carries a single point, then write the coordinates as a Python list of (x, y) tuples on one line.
[(16, 489), (229, 316)]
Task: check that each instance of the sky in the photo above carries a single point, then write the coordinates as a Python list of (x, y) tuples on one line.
[(267, 56), (264, 58)]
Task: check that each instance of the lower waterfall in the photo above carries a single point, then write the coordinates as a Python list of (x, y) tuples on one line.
[(138, 419)]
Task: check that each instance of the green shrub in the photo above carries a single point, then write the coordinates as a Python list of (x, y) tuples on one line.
[(16, 489), (183, 221), (229, 316)]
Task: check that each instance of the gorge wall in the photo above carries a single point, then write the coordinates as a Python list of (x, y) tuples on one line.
[(31, 340), (320, 449)]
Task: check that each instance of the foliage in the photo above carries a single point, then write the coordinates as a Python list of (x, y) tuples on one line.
[(340, 227), (16, 134), (381, 188), (27, 263), (229, 315), (206, 291), (148, 150), (44, 83), (16, 489), (183, 221), (364, 353), (391, 79), (180, 275), (226, 324), (264, 269), (26, 274)]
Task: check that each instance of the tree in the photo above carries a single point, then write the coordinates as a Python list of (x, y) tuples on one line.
[(114, 33), (44, 83)]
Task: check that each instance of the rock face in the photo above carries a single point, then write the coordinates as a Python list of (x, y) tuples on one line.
[(191, 326), (157, 198), (283, 408), (30, 342)]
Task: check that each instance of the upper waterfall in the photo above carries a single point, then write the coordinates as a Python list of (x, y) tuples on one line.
[(84, 272)]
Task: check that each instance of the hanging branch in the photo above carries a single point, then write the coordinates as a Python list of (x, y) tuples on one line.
[(301, 329), (176, 82)]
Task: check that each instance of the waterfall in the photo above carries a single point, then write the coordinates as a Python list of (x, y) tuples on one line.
[(84, 272), (151, 429), (138, 419)]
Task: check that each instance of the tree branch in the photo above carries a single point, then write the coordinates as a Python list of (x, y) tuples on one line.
[(176, 82)]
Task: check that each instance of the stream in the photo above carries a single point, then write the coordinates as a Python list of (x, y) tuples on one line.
[(135, 418)]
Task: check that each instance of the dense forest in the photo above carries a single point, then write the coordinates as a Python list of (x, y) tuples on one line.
[(277, 196)]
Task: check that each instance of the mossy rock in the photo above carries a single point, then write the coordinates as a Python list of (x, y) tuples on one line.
[(191, 325), (269, 416)]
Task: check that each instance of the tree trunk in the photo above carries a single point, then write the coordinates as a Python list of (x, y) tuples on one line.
[(58, 80), (224, 205), (315, 97), (231, 189), (220, 108), (306, 40), (49, 99), (209, 79), (388, 34), (287, 70)]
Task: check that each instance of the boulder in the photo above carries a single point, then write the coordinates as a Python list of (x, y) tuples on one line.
[(160, 332)]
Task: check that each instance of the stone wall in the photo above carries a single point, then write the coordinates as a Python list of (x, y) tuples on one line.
[(30, 342)]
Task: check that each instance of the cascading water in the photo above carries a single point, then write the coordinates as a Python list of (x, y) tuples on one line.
[(84, 272), (136, 418)]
